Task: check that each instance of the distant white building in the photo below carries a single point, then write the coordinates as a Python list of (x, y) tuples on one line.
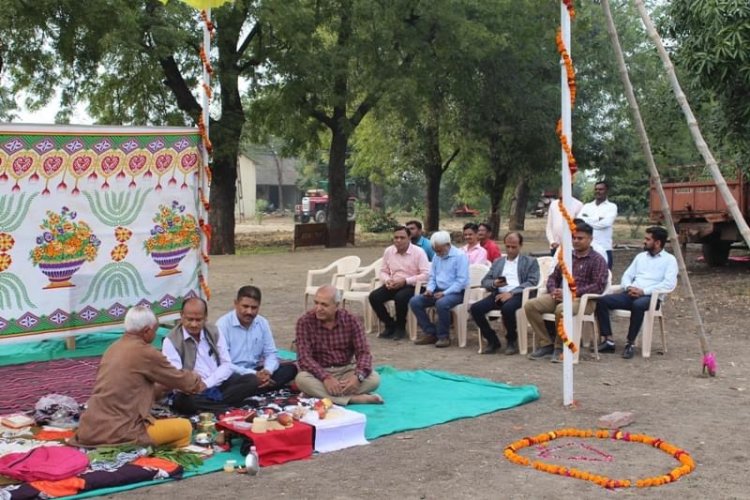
[(259, 175)]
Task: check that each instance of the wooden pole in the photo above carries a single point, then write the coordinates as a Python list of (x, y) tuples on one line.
[(655, 177), (692, 122)]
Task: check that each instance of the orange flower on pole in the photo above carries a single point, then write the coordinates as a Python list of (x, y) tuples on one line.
[(5, 261), (6, 242)]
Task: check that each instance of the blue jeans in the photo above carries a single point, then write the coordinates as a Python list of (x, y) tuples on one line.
[(637, 308), (419, 305)]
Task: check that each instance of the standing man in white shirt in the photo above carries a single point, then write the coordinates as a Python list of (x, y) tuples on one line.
[(250, 343), (601, 214), (651, 270), (556, 223), (193, 346)]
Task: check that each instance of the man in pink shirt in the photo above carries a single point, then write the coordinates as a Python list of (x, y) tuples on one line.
[(488, 243), (477, 254), (403, 265)]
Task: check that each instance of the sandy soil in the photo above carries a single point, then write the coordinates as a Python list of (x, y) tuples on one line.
[(463, 459)]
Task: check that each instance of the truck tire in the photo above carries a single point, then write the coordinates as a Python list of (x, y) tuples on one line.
[(716, 252), (320, 216), (350, 215), (305, 219)]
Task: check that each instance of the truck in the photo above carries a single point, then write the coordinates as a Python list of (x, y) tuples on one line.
[(701, 216), (314, 207)]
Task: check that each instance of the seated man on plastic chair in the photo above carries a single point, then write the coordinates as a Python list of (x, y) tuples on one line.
[(652, 269), (505, 281), (590, 273), (449, 276), (404, 264)]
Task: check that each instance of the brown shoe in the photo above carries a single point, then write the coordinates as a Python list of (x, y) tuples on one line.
[(444, 342), (426, 340)]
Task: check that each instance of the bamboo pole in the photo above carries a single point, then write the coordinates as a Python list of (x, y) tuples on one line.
[(655, 177), (692, 122)]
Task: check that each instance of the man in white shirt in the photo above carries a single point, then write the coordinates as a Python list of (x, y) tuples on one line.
[(651, 270), (601, 214), (556, 223), (193, 346)]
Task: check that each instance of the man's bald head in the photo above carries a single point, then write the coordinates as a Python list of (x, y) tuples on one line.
[(326, 301)]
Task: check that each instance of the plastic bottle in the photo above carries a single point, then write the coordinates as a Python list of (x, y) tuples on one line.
[(252, 464)]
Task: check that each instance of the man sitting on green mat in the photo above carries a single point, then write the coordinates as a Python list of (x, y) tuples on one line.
[(250, 342), (328, 338), (119, 409), (192, 345)]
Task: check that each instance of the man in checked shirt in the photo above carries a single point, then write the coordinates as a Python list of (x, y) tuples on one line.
[(333, 355), (590, 273)]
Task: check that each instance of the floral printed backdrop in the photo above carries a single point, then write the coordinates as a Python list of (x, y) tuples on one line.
[(94, 220)]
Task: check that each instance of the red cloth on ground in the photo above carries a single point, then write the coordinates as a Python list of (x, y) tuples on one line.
[(278, 447), (49, 463)]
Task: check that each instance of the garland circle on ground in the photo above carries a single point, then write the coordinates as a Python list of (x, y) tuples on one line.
[(686, 461)]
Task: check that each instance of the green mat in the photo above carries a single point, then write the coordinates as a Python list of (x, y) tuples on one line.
[(92, 344), (212, 464), (413, 399), (423, 398)]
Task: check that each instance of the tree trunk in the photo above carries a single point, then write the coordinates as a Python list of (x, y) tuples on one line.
[(517, 218), (695, 130), (337, 193), (376, 196), (655, 177), (432, 212), (495, 186), (225, 136)]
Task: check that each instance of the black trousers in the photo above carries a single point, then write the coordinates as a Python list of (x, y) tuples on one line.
[(401, 297), (234, 391), (508, 310)]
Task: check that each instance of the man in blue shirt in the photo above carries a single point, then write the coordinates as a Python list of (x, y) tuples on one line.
[(651, 270), (449, 276), (250, 343), (415, 232)]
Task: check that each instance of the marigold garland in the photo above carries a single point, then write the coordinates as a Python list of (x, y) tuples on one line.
[(686, 461), (571, 10), (569, 69), (210, 25)]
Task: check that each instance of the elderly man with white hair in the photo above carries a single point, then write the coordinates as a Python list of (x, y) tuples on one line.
[(449, 277), (129, 377)]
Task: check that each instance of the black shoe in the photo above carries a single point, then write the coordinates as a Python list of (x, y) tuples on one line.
[(511, 348), (387, 333), (542, 352), (629, 351), (607, 346), (399, 333), (490, 348)]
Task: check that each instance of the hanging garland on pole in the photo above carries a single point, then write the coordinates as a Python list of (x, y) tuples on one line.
[(204, 184)]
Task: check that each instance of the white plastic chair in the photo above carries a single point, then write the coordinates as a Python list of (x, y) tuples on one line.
[(581, 317), (647, 328), (358, 291), (473, 293), (340, 268), (546, 266)]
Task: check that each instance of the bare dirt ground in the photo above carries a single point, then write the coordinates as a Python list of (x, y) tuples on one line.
[(464, 459)]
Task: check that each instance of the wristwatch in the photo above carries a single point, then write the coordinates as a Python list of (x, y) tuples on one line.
[(360, 377)]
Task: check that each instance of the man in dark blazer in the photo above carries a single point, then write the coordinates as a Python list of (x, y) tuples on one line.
[(505, 281)]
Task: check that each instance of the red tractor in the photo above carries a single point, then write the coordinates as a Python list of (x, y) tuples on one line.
[(314, 207)]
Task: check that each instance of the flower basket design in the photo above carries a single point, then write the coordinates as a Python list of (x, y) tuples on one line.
[(172, 238), (63, 247)]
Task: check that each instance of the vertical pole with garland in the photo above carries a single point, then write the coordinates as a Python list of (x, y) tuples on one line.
[(564, 130), (204, 177)]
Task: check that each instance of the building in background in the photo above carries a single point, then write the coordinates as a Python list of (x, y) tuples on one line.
[(265, 176)]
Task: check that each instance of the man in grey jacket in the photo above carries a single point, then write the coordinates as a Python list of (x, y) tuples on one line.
[(505, 281)]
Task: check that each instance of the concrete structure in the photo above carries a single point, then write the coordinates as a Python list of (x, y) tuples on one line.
[(258, 178)]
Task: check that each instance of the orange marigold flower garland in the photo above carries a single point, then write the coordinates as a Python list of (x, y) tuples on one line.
[(571, 10), (687, 465)]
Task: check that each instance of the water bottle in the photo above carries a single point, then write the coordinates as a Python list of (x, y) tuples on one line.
[(252, 464)]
